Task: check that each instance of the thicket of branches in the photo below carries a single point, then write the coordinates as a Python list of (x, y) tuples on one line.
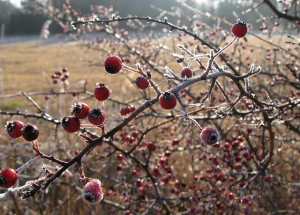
[(151, 160)]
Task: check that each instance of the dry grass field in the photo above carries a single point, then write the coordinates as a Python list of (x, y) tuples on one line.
[(22, 63)]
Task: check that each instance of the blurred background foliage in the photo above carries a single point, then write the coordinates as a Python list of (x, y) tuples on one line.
[(28, 20)]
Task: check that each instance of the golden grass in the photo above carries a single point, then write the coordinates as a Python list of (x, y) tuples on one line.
[(22, 64)]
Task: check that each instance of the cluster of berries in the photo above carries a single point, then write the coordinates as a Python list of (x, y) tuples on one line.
[(81, 110), (62, 75), (126, 110), (16, 129), (113, 64)]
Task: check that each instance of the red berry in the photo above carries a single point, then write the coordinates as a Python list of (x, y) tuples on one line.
[(14, 128), (156, 171), (175, 142), (120, 157), (186, 72), (30, 132), (239, 29), (142, 82), (209, 135), (135, 134), (101, 92), (80, 110), (167, 153), (113, 64), (65, 69), (238, 166), (166, 179), (131, 109), (70, 123), (96, 116), (119, 167), (8, 177), (161, 160), (231, 196), (267, 178), (133, 172), (124, 111), (245, 200), (92, 192), (151, 146), (167, 100), (138, 182)]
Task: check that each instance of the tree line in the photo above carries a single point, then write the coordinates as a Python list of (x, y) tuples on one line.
[(29, 20)]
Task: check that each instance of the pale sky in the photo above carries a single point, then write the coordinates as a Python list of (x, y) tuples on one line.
[(16, 2)]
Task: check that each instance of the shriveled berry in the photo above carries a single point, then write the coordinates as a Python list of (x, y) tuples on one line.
[(186, 72), (8, 177), (70, 123), (113, 64), (92, 192), (142, 82), (96, 116), (30, 132), (14, 128), (101, 92), (239, 29), (80, 110), (167, 100), (209, 135)]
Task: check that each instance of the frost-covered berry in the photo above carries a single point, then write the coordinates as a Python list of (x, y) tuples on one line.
[(209, 135), (30, 132), (14, 128), (70, 123), (186, 72), (92, 192), (101, 92), (142, 82), (167, 100), (96, 116), (8, 177), (80, 110), (239, 29), (113, 64)]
